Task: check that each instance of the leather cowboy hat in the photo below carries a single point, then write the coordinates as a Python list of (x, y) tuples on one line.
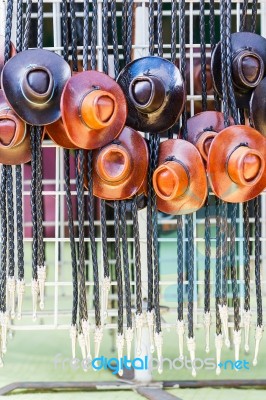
[(180, 180), (2, 52), (120, 168), (33, 82), (236, 164), (202, 128), (155, 93), (258, 107), (57, 132), (15, 146), (93, 109), (248, 65)]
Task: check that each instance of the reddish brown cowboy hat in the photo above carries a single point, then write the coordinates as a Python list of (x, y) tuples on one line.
[(202, 128), (93, 108), (120, 168), (248, 65), (155, 93), (33, 82), (2, 52), (180, 180), (57, 132), (15, 146), (236, 164), (258, 107)]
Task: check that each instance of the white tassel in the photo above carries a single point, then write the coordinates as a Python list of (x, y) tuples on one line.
[(180, 327), (139, 324), (41, 273), (34, 292), (237, 343), (158, 340), (4, 321), (120, 347), (11, 289), (246, 323), (218, 346), (191, 345), (73, 337), (82, 345), (150, 321), (129, 339), (98, 336), (86, 332), (207, 326), (223, 309), (20, 293), (106, 285), (258, 337)]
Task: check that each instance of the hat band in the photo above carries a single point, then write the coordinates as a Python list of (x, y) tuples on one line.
[(245, 166), (171, 180), (113, 164), (19, 129), (147, 93), (204, 142), (240, 80), (32, 95)]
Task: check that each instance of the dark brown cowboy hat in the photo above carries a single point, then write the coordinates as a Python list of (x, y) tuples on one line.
[(258, 107), (2, 52), (248, 65), (15, 146), (236, 164), (120, 168), (202, 128), (155, 93), (33, 82), (57, 132), (93, 108), (180, 180)]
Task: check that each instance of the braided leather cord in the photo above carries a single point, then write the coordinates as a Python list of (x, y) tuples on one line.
[(105, 36), (118, 269), (160, 27), (74, 39), (33, 204), (39, 203), (83, 310), (124, 26), (257, 262), (213, 43), (243, 15), (129, 30), (203, 56), (115, 37), (137, 255), (180, 261), (10, 209), (182, 43), (190, 288), (86, 35), (254, 15), (94, 35), (27, 25), (8, 29), (40, 24), (218, 267), (3, 265), (246, 256), (126, 262), (151, 27), (173, 29), (149, 232), (224, 252), (233, 268), (19, 26)]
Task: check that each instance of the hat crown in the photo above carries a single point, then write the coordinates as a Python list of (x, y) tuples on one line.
[(38, 84), (38, 80), (147, 93), (248, 69), (204, 142), (170, 180), (7, 131), (245, 166), (113, 163), (98, 109)]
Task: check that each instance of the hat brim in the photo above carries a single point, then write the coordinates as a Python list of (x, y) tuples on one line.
[(239, 41), (169, 112), (76, 88), (222, 146), (2, 52), (57, 132), (204, 121), (195, 196), (11, 81), (258, 107), (136, 146)]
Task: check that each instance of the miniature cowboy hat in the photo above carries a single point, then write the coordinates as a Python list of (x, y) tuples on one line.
[(202, 128), (236, 164), (155, 93), (93, 108), (179, 181), (248, 65), (120, 168), (2, 52), (33, 82), (258, 107), (15, 146)]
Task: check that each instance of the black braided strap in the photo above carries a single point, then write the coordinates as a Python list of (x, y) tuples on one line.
[(160, 27), (254, 15), (105, 35), (243, 15), (151, 27), (94, 34), (3, 265), (118, 269), (129, 30), (203, 55), (115, 37), (213, 43), (218, 267), (233, 268), (74, 38), (180, 261), (27, 25)]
